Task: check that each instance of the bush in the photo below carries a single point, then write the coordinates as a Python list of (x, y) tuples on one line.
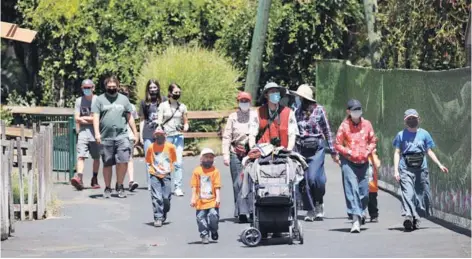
[(208, 81)]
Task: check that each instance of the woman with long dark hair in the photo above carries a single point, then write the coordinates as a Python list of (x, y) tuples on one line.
[(173, 119), (148, 111)]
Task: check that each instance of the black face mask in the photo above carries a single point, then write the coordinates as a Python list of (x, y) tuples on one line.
[(112, 91), (412, 124), (207, 164), (153, 95), (160, 140), (176, 96)]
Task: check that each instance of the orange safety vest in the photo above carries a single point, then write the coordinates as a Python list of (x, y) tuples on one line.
[(375, 162), (278, 128)]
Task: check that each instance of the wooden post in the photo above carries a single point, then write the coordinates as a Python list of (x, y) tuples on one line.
[(257, 48), (41, 179), (19, 155), (48, 167), (5, 223), (370, 8), (4, 130), (31, 171), (10, 187)]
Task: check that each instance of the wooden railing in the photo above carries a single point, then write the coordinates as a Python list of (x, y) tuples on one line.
[(31, 162), (192, 115)]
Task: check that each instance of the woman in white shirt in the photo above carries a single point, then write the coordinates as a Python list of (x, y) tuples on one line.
[(172, 116)]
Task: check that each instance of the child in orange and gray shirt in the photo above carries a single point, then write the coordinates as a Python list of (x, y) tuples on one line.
[(206, 184), (160, 158)]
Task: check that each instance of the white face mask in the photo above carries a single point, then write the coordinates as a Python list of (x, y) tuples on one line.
[(356, 114), (244, 106)]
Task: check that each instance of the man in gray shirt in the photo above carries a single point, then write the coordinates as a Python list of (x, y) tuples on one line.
[(111, 115), (86, 144)]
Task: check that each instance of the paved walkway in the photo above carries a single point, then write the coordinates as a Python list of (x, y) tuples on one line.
[(90, 226)]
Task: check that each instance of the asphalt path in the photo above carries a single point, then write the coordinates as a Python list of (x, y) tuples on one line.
[(90, 226)]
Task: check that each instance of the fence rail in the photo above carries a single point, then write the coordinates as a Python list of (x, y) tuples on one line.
[(25, 177), (56, 111)]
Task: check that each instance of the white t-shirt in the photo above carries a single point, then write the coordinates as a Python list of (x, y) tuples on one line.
[(175, 125)]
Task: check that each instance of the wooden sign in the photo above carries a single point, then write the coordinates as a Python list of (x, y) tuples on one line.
[(14, 32)]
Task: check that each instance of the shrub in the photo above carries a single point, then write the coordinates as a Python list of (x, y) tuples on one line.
[(207, 79)]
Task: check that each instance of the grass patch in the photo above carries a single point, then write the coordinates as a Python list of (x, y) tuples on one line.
[(52, 208)]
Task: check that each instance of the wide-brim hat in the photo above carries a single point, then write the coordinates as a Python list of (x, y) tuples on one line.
[(306, 92), (273, 85)]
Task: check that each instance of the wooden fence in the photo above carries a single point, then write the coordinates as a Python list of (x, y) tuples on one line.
[(25, 177), (56, 111)]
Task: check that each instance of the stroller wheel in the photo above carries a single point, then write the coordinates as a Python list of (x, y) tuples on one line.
[(251, 237), (300, 232)]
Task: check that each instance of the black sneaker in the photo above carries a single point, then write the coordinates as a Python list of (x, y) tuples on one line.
[(416, 223), (214, 235), (363, 221), (408, 224), (121, 191), (242, 219), (107, 192), (133, 185)]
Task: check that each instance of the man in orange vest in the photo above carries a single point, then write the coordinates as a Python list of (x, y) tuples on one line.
[(274, 124)]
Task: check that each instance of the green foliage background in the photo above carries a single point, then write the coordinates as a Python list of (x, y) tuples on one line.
[(80, 39)]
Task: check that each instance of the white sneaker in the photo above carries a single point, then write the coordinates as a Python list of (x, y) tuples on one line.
[(319, 212), (310, 215), (356, 226), (178, 192)]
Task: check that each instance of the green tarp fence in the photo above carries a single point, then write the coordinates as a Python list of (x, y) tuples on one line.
[(442, 99)]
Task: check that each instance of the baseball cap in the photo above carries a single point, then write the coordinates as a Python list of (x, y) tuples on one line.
[(354, 104), (244, 95), (88, 82), (206, 151), (410, 113)]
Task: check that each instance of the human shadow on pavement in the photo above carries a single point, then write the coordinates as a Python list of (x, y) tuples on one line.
[(346, 230), (402, 229), (284, 240), (200, 242), (152, 223), (114, 195)]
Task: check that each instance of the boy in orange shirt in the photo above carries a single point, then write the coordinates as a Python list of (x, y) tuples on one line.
[(206, 184), (160, 158)]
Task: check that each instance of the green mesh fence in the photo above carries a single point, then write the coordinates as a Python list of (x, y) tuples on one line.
[(442, 99)]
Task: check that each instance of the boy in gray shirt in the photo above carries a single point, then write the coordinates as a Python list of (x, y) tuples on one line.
[(86, 144), (111, 115)]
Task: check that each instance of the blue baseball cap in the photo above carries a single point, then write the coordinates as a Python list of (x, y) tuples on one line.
[(410, 113), (354, 104), (88, 82)]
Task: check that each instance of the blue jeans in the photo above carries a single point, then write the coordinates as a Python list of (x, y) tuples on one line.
[(207, 221), (146, 144), (416, 195), (315, 178), (178, 141), (160, 195), (356, 186)]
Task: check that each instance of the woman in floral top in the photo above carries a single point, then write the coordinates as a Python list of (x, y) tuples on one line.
[(355, 141), (313, 126), (235, 148)]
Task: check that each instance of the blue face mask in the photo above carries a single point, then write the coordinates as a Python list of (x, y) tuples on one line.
[(87, 92), (298, 102), (274, 97)]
